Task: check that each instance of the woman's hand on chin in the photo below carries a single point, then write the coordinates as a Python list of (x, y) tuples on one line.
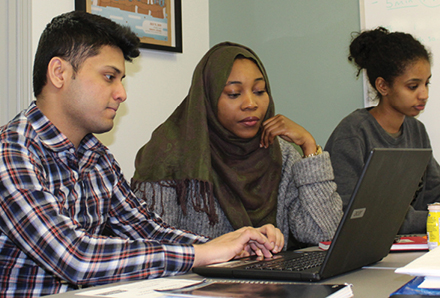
[(290, 131)]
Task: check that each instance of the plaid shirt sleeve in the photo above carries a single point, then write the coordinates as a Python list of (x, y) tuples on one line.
[(42, 226)]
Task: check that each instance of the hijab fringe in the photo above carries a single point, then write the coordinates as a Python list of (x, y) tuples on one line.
[(201, 196)]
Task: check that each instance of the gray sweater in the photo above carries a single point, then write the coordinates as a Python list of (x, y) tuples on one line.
[(350, 144), (308, 204)]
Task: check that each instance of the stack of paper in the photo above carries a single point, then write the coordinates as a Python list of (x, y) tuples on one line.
[(428, 266)]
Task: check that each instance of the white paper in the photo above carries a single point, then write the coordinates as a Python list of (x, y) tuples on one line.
[(426, 265), (145, 288), (430, 282)]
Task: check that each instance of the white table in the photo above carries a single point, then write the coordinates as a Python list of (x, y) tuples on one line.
[(378, 280)]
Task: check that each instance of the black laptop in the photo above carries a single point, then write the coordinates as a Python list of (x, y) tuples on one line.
[(365, 234)]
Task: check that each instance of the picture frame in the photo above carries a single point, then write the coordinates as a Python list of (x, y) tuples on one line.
[(157, 23)]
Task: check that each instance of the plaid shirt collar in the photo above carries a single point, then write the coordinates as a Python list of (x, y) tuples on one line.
[(55, 140)]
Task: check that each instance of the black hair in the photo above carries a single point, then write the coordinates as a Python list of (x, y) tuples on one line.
[(76, 36), (385, 54)]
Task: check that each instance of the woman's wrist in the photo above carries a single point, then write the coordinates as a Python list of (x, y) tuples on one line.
[(316, 152), (309, 146)]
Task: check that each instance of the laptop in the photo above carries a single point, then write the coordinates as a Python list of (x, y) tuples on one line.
[(376, 210)]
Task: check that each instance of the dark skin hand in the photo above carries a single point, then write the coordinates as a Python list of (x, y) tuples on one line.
[(288, 130)]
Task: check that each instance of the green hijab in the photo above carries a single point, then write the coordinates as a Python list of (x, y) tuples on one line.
[(192, 145)]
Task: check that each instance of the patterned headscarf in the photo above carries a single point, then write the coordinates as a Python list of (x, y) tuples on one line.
[(192, 145)]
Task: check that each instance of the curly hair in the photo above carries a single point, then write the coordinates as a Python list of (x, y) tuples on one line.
[(385, 54)]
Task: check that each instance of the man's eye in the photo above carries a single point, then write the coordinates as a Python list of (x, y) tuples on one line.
[(109, 77)]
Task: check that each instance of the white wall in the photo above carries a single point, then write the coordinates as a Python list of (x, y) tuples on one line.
[(15, 57), (156, 82)]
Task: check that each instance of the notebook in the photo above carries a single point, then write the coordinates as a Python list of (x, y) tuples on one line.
[(376, 210), (262, 289)]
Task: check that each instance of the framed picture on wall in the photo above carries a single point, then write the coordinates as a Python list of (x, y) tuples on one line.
[(157, 23)]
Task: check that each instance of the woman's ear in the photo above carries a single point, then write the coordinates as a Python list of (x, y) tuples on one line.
[(382, 86), (56, 72)]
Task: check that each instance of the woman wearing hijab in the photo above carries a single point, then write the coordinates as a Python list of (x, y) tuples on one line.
[(223, 160)]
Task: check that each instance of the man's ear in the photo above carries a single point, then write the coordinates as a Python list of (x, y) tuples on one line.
[(57, 71), (382, 86)]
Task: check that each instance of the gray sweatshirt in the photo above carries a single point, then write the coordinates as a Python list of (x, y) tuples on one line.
[(350, 144)]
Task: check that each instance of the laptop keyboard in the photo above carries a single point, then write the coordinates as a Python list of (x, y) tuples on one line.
[(305, 261)]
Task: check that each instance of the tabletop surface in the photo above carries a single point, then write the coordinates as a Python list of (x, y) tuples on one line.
[(378, 280)]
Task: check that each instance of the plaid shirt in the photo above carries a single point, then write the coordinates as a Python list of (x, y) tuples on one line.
[(56, 203)]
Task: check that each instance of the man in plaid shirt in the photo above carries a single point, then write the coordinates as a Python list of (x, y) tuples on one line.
[(68, 217)]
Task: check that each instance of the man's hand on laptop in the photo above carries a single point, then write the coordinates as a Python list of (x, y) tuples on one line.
[(274, 236), (243, 242)]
